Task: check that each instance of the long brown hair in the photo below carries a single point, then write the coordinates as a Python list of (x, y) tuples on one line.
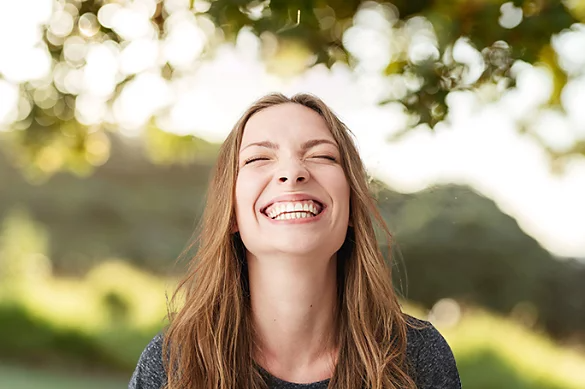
[(209, 342)]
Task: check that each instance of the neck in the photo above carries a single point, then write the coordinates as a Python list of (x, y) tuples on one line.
[(293, 303)]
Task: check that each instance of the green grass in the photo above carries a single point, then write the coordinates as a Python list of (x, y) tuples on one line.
[(494, 352), (26, 378)]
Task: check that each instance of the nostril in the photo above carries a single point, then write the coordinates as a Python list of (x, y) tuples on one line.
[(301, 178)]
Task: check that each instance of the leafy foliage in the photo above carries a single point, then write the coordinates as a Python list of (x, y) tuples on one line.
[(52, 137)]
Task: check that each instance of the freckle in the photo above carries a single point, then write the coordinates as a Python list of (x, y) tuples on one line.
[(311, 305)]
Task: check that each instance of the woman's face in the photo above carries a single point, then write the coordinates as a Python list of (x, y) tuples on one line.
[(292, 196)]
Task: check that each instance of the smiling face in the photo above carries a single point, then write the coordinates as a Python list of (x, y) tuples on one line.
[(291, 195)]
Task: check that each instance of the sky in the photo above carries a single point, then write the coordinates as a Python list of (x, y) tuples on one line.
[(479, 146)]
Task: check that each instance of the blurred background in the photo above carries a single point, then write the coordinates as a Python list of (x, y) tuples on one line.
[(470, 115)]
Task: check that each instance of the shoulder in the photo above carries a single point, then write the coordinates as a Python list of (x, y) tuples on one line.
[(431, 358), (149, 372)]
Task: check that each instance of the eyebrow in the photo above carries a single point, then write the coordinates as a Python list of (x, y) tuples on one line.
[(305, 146)]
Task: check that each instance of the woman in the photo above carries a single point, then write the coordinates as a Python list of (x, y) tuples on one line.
[(288, 288)]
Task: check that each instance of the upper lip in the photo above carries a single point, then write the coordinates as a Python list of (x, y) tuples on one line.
[(291, 197)]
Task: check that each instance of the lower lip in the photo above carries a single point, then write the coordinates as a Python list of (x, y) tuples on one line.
[(302, 220)]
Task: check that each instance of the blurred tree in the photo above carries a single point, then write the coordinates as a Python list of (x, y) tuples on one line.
[(450, 241), (51, 133)]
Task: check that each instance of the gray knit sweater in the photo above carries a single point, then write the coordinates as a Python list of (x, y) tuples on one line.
[(431, 358)]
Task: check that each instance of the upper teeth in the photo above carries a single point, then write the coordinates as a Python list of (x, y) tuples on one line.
[(278, 209)]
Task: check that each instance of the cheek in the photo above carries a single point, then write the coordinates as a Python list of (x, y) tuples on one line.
[(247, 192), (339, 187), (346, 194), (340, 191)]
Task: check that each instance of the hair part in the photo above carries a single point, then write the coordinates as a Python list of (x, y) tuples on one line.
[(210, 341)]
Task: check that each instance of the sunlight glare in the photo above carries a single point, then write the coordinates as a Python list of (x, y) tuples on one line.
[(99, 75), (569, 45), (9, 101), (141, 98), (572, 99), (185, 40), (139, 55)]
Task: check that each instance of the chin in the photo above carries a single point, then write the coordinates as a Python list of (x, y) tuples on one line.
[(308, 247)]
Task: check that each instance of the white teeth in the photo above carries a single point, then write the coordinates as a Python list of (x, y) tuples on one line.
[(293, 215), (278, 210)]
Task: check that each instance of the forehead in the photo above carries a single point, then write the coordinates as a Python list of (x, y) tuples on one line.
[(285, 122)]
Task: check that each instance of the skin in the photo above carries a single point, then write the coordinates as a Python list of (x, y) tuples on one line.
[(292, 265)]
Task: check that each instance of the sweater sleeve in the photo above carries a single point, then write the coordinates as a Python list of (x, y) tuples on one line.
[(149, 372), (434, 364)]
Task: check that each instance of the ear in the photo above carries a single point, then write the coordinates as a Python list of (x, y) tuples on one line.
[(234, 228)]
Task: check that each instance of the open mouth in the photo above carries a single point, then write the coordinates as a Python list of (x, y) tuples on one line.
[(293, 210)]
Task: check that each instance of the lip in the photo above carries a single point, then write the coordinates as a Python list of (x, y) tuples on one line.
[(293, 197)]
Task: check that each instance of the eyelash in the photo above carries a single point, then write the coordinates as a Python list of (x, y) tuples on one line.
[(254, 159)]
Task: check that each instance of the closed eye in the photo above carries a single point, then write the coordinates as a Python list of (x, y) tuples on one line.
[(329, 157), (254, 159)]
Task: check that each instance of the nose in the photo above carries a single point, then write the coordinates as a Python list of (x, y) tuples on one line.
[(292, 173)]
